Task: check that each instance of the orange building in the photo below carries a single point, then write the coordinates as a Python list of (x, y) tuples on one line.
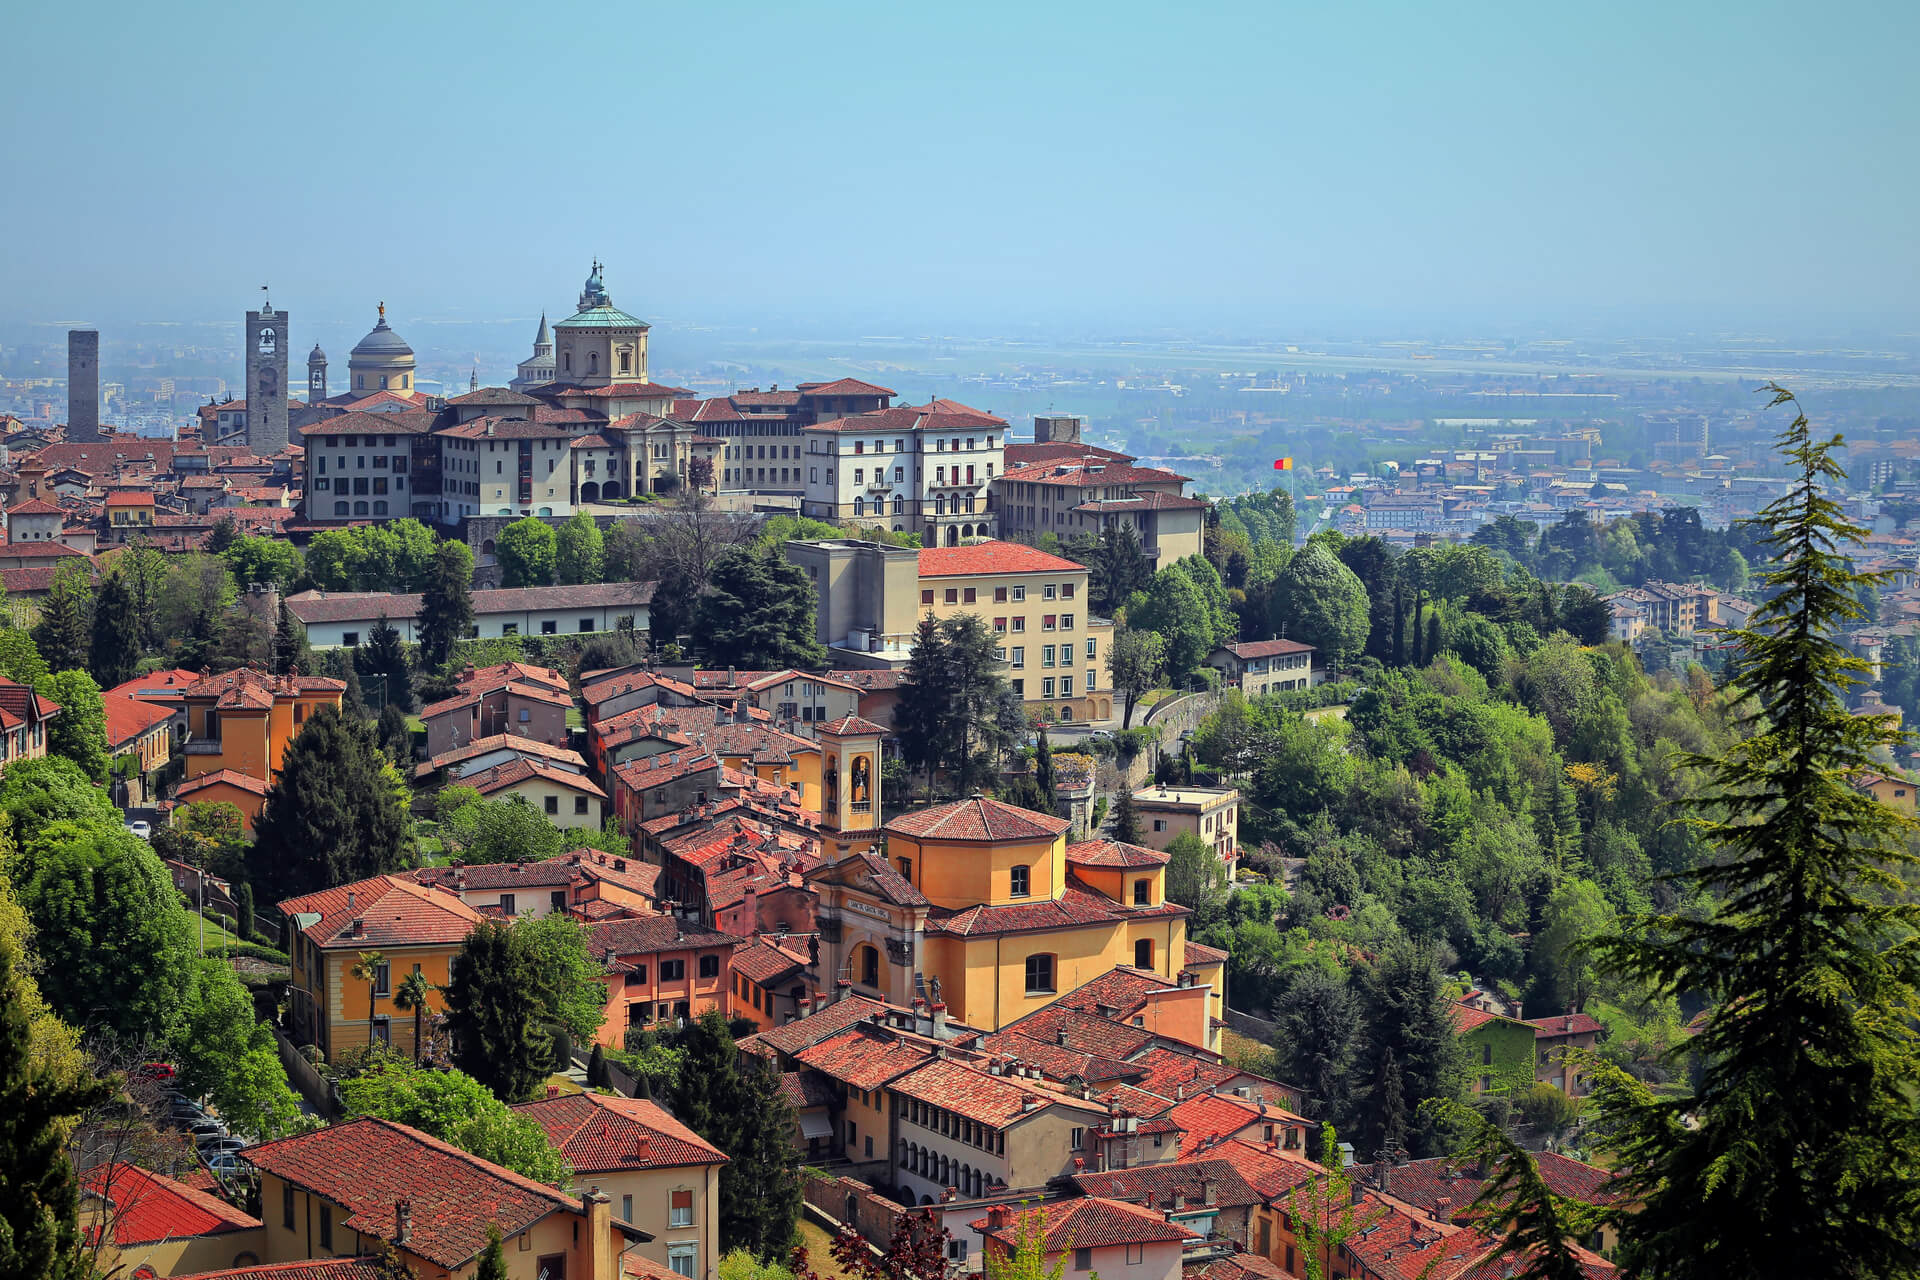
[(660, 969), (243, 720), (140, 732)]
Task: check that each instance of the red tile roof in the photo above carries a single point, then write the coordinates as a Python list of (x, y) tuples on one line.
[(367, 1268), (1089, 1222), (1076, 906), (369, 1165), (599, 1134), (984, 558), (392, 912), (1267, 1171), (653, 933), (763, 960), (1249, 649), (1114, 853), (1086, 1031), (845, 387), (1058, 1061), (977, 818), (849, 725), (1201, 954), (500, 742), (158, 685), (1159, 1183), (36, 507), (514, 772), (995, 1101), (231, 777), (1208, 1117), (1565, 1024), (251, 689), (791, 1037), (864, 1056), (129, 718), (129, 498), (146, 1208)]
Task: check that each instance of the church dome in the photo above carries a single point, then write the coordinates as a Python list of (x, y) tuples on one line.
[(316, 354), (382, 342)]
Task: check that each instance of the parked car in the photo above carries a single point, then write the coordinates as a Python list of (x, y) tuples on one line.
[(140, 827), (228, 1165), (205, 1127), (162, 1071), (214, 1146)]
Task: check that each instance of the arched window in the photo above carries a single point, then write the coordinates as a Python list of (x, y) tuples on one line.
[(590, 492), (593, 362), (340, 508), (870, 965), (1143, 951), (859, 506), (1020, 881), (379, 508), (939, 504), (899, 505), (626, 362), (953, 536), (359, 508)]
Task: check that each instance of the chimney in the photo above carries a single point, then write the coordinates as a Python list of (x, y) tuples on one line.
[(553, 1091), (642, 1149), (1029, 1102), (1180, 1093), (1060, 1037), (602, 1249), (1207, 1189), (939, 1019), (1383, 1175), (998, 1218), (350, 897), (1179, 1201), (402, 1221)]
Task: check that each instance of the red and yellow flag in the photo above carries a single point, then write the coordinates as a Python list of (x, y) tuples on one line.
[(1283, 464)]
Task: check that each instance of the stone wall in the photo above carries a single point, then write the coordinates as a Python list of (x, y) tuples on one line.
[(846, 1201)]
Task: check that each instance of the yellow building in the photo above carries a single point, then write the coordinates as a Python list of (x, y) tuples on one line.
[(661, 1176), (982, 906), (342, 1191), (1210, 813), (872, 598), (139, 1223), (243, 719), (415, 929)]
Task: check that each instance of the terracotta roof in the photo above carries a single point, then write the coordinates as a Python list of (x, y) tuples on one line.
[(367, 1268), (129, 498), (36, 507), (599, 1134), (1114, 853), (1159, 1183), (1075, 475), (506, 428), (1086, 1031), (250, 689), (978, 818), (1424, 1183), (1076, 905), (1565, 1024), (1122, 987), (764, 960), (1467, 1018), (1089, 1222), (1058, 1061), (807, 1089), (411, 422), (514, 772), (231, 777), (493, 395), (984, 558), (1152, 500), (1198, 954), (147, 1208), (354, 606), (391, 912), (847, 725), (470, 697), (1208, 1117), (1235, 1266), (1250, 649), (845, 387), (995, 1101), (864, 1056), (129, 718), (1267, 1171), (369, 1165), (48, 550), (791, 1037), (486, 876), (653, 933), (500, 742)]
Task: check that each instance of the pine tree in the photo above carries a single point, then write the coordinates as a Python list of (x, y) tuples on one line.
[(335, 813), (243, 908), (705, 1091), (1315, 1025), (396, 736), (493, 1260), (1794, 1154), (1407, 1015), (760, 1183), (920, 715), (382, 662), (446, 604), (1399, 628), (115, 651), (758, 614), (493, 1010), (1126, 823), (1392, 1092), (65, 630), (39, 1203), (289, 641)]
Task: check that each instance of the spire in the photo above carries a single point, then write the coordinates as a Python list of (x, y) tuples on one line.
[(545, 336), (473, 380)]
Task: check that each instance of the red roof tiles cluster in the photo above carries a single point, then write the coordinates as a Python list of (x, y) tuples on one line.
[(145, 1208), (382, 911), (977, 818), (1089, 1222), (599, 1134), (984, 558)]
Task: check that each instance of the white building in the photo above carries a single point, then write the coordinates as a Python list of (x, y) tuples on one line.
[(344, 619), (922, 469)]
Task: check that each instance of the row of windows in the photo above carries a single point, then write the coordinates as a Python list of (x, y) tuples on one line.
[(940, 445), (674, 971), (947, 1124), (360, 485), (1017, 657)]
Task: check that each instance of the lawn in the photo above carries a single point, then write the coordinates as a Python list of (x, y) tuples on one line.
[(820, 1250), (1245, 1052), (217, 933)]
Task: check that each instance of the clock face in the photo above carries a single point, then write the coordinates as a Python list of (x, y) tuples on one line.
[(268, 342)]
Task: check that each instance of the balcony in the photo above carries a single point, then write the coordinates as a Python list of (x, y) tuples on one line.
[(203, 747)]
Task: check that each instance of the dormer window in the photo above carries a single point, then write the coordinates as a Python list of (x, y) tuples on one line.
[(1020, 882)]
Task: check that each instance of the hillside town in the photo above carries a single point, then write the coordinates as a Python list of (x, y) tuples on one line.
[(779, 817)]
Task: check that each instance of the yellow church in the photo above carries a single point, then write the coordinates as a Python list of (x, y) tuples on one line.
[(984, 907)]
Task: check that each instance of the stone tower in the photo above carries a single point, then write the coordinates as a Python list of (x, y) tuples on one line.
[(1057, 428), (266, 388), (849, 786), (316, 375), (83, 384)]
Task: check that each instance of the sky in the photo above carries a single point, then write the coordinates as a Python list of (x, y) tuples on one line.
[(965, 168)]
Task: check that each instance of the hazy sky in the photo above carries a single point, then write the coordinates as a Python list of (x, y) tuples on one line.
[(970, 164)]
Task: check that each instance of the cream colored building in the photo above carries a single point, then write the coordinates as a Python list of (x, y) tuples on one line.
[(1212, 813), (872, 598), (570, 800), (922, 469), (660, 1176)]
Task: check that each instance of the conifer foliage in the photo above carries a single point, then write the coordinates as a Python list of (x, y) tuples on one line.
[(1796, 1154), (736, 1104), (335, 813)]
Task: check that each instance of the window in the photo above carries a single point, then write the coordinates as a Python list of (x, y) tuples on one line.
[(579, 804), (549, 627), (1019, 594), (286, 1205), (1141, 891), (926, 597), (1083, 1259), (869, 966), (681, 1211), (680, 1258), (1136, 1254), (1020, 881), (1000, 624), (1486, 1055), (953, 595), (383, 979), (999, 595), (1046, 687), (626, 1208), (1076, 1139), (906, 869), (673, 970), (1020, 624), (709, 966), (1091, 650), (1066, 686), (1046, 655), (350, 638), (1143, 950), (1046, 622), (553, 805), (1066, 622), (969, 596), (1159, 824), (1066, 591), (1047, 592), (506, 904), (1019, 656), (326, 1226)]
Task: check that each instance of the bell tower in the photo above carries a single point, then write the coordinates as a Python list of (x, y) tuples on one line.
[(316, 375), (267, 352), (849, 785)]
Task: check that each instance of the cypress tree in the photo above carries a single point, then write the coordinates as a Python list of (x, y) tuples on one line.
[(396, 736), (1419, 608), (39, 1203), (116, 633), (446, 604), (705, 1091), (382, 662), (1399, 627), (1126, 823), (1433, 633), (760, 1183), (493, 1260), (1043, 772), (288, 641), (597, 1067), (1794, 1153), (333, 815), (243, 904), (493, 1010)]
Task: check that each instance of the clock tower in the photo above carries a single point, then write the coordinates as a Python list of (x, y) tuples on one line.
[(266, 389)]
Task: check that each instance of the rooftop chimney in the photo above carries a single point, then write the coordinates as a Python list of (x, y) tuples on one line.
[(350, 896), (402, 1221)]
